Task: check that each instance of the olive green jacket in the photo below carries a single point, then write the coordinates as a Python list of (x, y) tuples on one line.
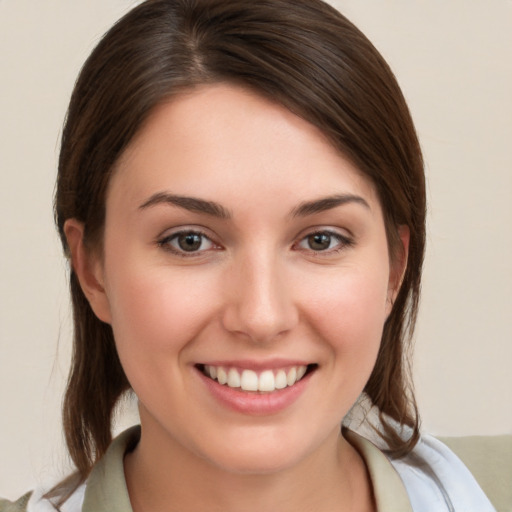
[(488, 458)]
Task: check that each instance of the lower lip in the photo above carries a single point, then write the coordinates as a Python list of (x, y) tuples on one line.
[(253, 403)]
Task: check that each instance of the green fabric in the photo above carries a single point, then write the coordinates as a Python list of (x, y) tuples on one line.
[(489, 458), (106, 487), (15, 506), (388, 489)]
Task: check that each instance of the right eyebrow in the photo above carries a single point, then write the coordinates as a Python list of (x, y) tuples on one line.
[(192, 204)]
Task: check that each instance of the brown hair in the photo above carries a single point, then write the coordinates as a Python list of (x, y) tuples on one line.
[(302, 54)]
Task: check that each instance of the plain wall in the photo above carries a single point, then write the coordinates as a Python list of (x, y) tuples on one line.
[(454, 62)]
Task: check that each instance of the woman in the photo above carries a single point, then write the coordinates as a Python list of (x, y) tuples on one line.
[(241, 195)]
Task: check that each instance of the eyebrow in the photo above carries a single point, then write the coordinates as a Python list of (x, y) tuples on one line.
[(192, 204), (327, 203), (214, 209)]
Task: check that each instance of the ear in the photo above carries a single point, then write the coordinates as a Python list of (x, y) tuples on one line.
[(398, 265), (89, 270)]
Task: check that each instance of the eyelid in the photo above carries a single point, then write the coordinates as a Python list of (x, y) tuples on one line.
[(345, 240), (164, 240)]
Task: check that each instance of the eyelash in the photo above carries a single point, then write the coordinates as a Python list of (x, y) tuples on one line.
[(165, 243), (343, 242)]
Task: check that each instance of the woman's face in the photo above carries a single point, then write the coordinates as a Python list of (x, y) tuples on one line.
[(239, 242)]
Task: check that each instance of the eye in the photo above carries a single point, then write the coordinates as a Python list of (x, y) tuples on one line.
[(185, 242), (324, 241)]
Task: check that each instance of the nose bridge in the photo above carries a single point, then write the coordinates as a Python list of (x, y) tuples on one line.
[(261, 304)]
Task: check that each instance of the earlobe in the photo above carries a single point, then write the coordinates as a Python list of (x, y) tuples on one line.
[(398, 265), (88, 269)]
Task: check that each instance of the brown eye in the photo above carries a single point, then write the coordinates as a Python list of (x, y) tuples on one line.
[(319, 241), (189, 242), (329, 242)]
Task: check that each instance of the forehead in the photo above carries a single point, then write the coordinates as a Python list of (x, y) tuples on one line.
[(225, 134)]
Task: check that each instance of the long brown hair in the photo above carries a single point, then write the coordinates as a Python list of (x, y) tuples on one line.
[(302, 54)]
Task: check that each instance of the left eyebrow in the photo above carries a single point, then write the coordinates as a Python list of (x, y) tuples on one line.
[(327, 203)]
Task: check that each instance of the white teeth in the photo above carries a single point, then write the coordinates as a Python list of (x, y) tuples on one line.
[(280, 380), (233, 378), (249, 380), (291, 378), (222, 376), (266, 381)]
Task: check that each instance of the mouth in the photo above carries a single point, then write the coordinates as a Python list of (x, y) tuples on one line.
[(251, 381)]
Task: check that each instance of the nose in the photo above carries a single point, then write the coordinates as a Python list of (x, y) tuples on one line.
[(260, 304)]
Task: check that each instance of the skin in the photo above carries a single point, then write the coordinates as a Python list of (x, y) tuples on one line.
[(256, 290)]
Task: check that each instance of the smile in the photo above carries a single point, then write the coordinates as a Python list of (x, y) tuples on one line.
[(265, 381)]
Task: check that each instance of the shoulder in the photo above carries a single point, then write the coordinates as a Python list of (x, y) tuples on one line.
[(434, 470), (15, 506), (36, 501), (489, 459), (104, 490)]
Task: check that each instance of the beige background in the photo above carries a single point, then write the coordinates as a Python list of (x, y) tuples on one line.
[(454, 61)]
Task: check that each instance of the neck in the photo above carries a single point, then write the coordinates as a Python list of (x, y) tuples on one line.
[(163, 476)]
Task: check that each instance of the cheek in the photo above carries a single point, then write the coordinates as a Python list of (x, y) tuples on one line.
[(349, 312), (156, 312)]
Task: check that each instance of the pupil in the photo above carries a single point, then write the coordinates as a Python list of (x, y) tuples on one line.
[(319, 241), (189, 242)]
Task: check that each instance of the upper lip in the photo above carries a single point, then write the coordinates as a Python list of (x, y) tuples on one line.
[(251, 364)]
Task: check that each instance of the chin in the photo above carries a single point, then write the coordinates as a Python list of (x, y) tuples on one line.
[(260, 462), (262, 453)]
